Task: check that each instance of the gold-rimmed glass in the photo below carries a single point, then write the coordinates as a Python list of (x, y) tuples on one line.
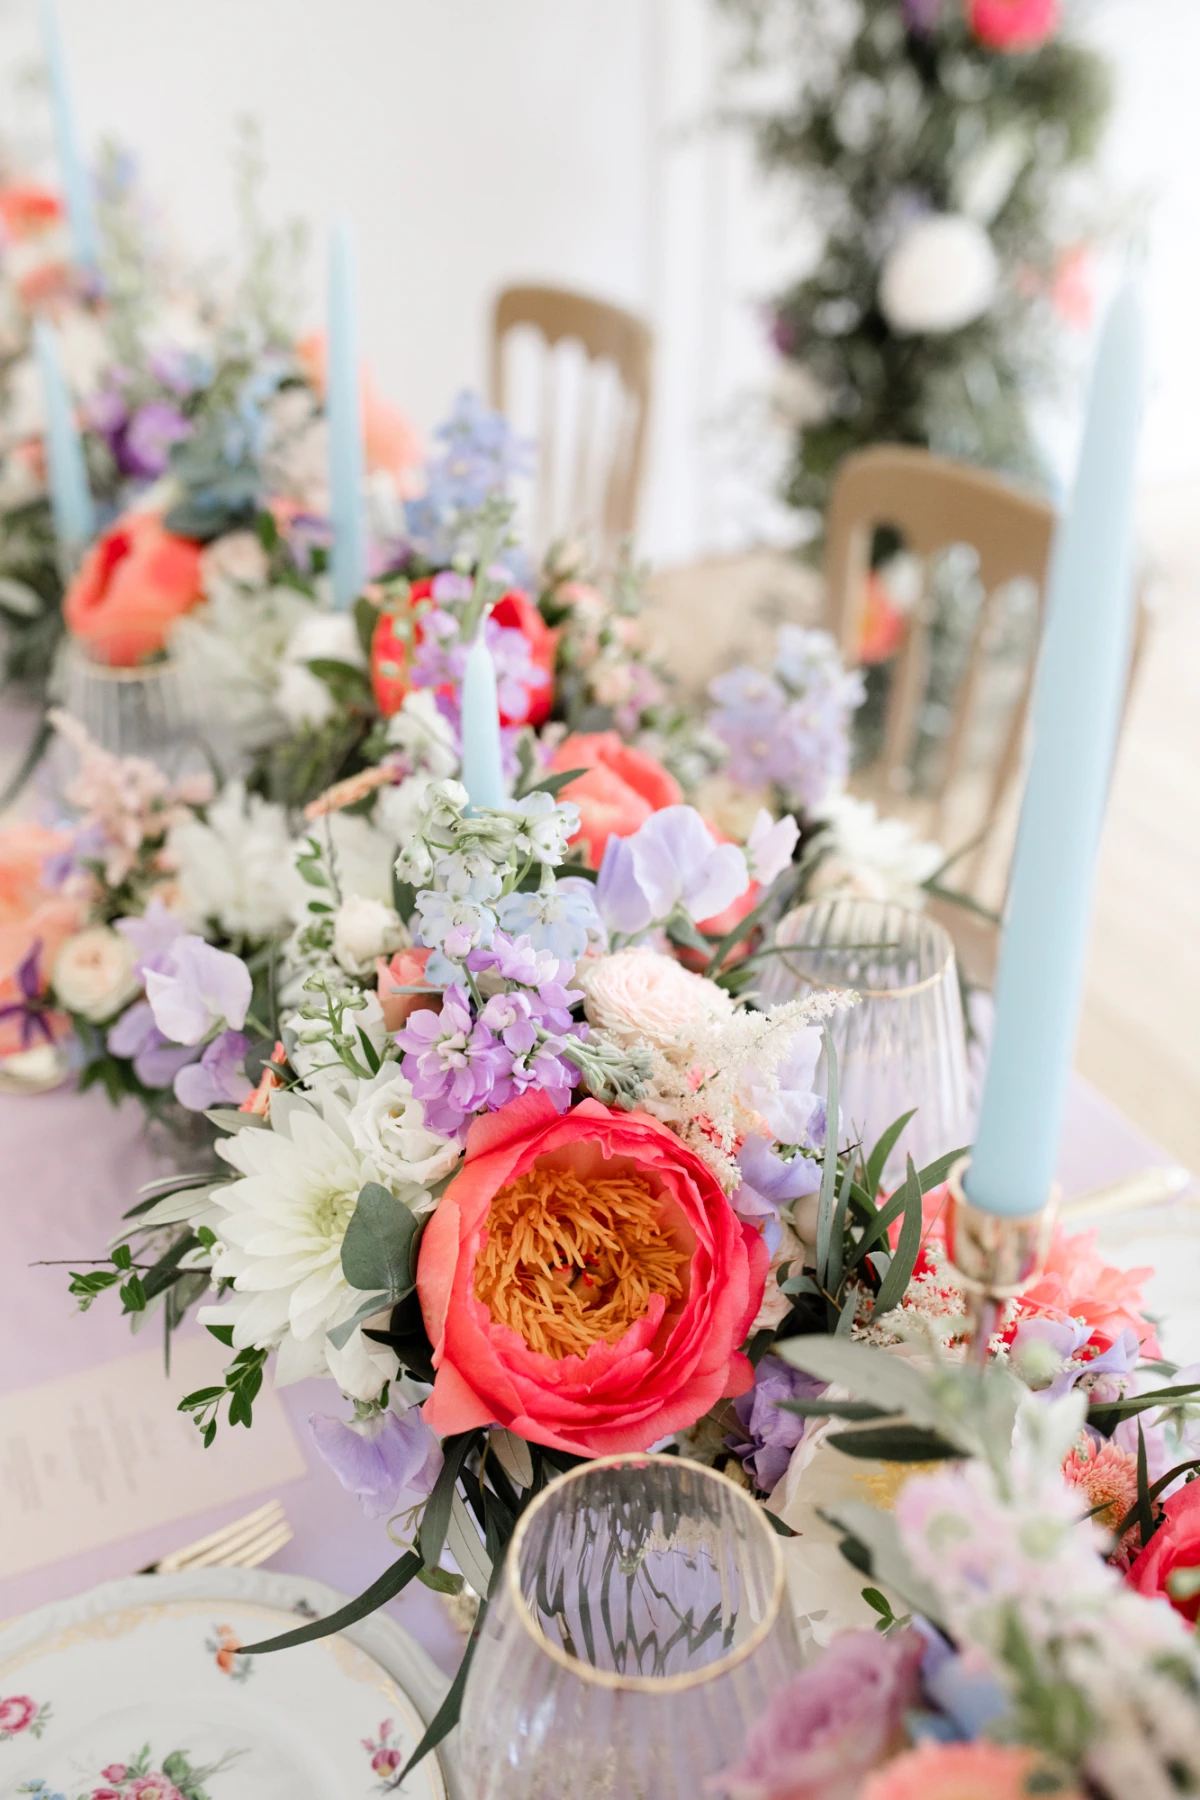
[(639, 1629), (903, 1043)]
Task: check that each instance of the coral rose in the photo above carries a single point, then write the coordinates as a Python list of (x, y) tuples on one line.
[(405, 970), (655, 1281), (962, 1772), (132, 585), (33, 922), (621, 789), (1013, 24), (514, 611), (1175, 1545)]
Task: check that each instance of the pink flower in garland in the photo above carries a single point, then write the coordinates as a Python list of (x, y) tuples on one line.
[(17, 1713), (960, 1772), (1013, 25)]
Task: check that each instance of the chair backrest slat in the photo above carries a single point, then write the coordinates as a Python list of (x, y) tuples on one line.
[(582, 485)]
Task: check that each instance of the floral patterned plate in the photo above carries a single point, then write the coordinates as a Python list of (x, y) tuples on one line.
[(140, 1691)]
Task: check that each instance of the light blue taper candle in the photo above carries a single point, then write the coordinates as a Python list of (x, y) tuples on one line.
[(70, 496), (76, 186), (343, 406), (482, 768), (1080, 692)]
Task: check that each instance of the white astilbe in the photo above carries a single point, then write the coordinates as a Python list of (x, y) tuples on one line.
[(699, 1086)]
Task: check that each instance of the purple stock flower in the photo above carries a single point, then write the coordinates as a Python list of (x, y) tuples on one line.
[(156, 1060), (922, 16), (219, 1078), (790, 729), (834, 1721), (772, 1434), (516, 674), (182, 371), (195, 988), (671, 861), (390, 1462), (144, 448), (453, 1062)]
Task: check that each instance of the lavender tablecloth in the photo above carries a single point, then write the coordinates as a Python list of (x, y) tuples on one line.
[(70, 1165)]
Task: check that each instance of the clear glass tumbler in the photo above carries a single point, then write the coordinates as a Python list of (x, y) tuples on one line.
[(639, 1629), (150, 710), (903, 1044)]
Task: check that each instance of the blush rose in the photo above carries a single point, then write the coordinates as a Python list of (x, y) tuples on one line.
[(671, 1364)]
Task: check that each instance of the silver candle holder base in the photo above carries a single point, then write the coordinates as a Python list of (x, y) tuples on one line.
[(994, 1256)]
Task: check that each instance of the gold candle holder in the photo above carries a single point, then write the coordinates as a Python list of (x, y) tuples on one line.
[(995, 1255)]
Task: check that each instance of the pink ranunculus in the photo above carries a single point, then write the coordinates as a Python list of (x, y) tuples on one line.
[(115, 1772), (1175, 1545), (405, 970), (17, 1713), (1013, 24), (635, 1340), (386, 1762), (154, 1787)]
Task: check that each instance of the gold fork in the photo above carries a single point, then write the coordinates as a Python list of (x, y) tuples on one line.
[(242, 1544)]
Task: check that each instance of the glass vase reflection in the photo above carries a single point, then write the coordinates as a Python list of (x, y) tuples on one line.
[(151, 710), (639, 1629), (903, 1044)]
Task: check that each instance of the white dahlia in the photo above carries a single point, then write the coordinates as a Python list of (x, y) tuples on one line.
[(279, 1236)]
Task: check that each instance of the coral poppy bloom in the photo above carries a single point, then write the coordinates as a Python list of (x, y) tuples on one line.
[(1013, 24), (390, 443), (1175, 1545), (654, 1281), (882, 630), (34, 922), (514, 611), (621, 789), (132, 585), (960, 1772)]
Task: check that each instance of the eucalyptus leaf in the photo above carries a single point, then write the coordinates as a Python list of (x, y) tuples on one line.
[(377, 1247), (341, 1334), (462, 1541), (229, 1119)]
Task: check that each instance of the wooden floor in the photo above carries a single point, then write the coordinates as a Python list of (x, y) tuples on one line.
[(1140, 1033)]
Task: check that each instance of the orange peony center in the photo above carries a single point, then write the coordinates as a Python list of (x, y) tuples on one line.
[(568, 1263)]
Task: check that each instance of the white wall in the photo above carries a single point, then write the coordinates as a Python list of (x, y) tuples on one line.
[(472, 142)]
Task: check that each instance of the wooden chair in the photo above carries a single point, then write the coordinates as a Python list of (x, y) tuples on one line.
[(589, 412), (934, 504)]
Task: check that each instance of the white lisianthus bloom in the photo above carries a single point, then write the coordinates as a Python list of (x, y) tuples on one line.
[(870, 858), (424, 734), (940, 276), (641, 996), (364, 929), (388, 1124), (93, 973), (236, 866), (279, 1233)]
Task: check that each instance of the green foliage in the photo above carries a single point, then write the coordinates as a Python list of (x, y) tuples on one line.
[(885, 123), (243, 1379)]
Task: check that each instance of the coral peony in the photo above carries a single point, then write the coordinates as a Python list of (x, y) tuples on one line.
[(621, 789), (1013, 24), (34, 925), (961, 1772), (1174, 1546), (390, 443), (522, 701), (132, 585), (655, 1281)]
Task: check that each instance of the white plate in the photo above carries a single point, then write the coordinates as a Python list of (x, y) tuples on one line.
[(136, 1691)]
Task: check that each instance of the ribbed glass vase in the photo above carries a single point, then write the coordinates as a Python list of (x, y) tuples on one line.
[(903, 1043), (639, 1629)]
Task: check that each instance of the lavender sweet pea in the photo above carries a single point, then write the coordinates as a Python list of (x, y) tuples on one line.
[(772, 1433), (834, 1722), (219, 1078), (671, 862), (391, 1462), (156, 1060), (195, 989)]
